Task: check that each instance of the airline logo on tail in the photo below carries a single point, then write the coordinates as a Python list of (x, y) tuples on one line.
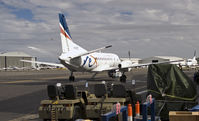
[(63, 27)]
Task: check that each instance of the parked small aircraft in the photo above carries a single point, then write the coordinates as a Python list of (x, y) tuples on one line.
[(192, 63)]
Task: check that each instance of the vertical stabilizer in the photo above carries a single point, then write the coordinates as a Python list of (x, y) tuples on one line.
[(64, 33), (194, 57), (66, 39)]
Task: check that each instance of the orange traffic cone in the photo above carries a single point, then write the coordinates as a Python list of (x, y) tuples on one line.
[(130, 114), (137, 109)]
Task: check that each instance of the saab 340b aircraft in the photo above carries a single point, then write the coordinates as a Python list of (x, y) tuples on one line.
[(77, 59)]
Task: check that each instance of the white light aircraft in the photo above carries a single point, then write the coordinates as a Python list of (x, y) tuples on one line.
[(77, 59), (192, 63)]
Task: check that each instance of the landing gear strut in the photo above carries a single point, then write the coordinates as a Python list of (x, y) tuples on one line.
[(71, 78), (123, 78)]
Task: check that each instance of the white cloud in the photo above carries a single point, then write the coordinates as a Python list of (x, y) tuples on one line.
[(157, 15), (38, 49)]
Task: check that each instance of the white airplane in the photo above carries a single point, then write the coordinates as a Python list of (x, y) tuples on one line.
[(77, 59), (192, 62)]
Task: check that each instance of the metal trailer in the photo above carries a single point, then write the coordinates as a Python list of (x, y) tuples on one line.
[(60, 109), (62, 105), (101, 102)]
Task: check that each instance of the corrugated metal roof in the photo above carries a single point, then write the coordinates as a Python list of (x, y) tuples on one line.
[(18, 54)]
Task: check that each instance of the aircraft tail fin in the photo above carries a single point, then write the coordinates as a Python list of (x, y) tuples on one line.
[(194, 57), (64, 33), (66, 39)]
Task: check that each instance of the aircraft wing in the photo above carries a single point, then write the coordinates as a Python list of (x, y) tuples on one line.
[(45, 63), (106, 68), (146, 64)]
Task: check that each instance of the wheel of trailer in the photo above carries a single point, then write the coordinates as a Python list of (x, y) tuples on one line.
[(76, 112), (46, 119), (123, 78), (71, 78)]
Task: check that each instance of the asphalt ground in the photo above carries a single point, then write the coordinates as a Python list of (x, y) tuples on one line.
[(22, 91)]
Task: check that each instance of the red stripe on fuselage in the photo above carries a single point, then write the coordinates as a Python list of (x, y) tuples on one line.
[(64, 33)]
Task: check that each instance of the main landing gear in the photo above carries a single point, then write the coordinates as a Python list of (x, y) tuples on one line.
[(123, 78), (72, 78)]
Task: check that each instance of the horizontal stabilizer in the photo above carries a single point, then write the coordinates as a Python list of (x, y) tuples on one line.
[(45, 63)]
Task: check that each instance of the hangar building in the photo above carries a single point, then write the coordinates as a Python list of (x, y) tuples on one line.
[(12, 60)]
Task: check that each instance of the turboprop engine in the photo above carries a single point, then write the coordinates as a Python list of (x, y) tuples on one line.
[(125, 63)]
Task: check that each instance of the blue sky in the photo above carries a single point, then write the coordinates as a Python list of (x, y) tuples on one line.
[(20, 13), (146, 28), (25, 14)]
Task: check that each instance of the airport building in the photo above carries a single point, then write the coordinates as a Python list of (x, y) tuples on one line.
[(11, 60)]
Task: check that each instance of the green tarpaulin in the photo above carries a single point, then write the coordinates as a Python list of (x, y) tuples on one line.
[(171, 86), (168, 80)]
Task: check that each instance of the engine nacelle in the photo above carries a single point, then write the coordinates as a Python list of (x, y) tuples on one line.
[(125, 64)]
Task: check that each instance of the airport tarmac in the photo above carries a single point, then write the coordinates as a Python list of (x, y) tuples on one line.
[(22, 91)]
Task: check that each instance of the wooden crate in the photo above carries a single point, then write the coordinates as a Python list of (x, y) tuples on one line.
[(183, 116)]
